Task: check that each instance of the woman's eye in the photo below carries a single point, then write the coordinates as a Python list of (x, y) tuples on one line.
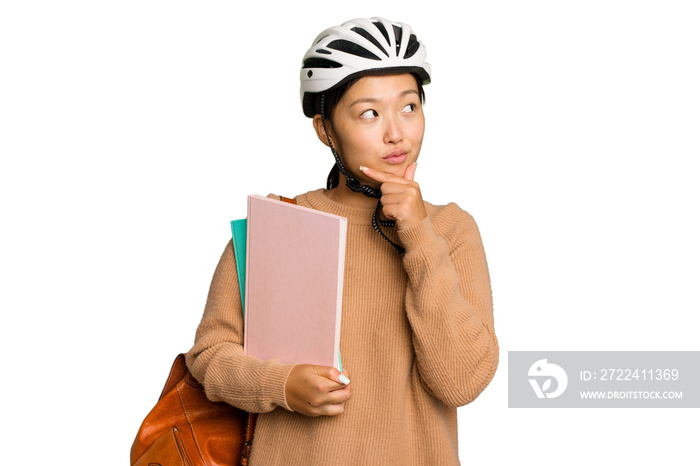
[(369, 114), (409, 108)]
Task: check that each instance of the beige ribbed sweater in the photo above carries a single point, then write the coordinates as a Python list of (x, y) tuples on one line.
[(417, 339)]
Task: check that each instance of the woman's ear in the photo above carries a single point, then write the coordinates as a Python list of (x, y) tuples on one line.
[(320, 130)]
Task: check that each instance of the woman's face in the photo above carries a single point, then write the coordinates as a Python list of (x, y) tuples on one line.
[(379, 123)]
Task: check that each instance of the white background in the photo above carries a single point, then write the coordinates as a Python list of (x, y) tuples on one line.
[(131, 131)]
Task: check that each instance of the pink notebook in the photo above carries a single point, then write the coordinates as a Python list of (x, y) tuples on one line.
[(294, 283)]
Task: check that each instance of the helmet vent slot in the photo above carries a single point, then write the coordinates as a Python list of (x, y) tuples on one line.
[(398, 33), (370, 38), (346, 46), (315, 62), (383, 30), (412, 47)]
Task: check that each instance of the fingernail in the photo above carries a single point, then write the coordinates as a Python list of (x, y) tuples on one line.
[(344, 380), (363, 168)]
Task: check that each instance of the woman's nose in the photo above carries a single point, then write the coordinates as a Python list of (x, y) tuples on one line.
[(392, 132)]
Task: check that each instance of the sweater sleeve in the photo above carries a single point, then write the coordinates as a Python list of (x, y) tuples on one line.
[(449, 306), (217, 360)]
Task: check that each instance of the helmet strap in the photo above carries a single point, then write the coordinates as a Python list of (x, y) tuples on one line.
[(350, 180), (355, 185)]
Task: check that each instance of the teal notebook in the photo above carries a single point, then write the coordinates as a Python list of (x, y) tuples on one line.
[(239, 234), (239, 231)]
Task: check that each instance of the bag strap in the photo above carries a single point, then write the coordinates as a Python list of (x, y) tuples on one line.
[(253, 417), (248, 444)]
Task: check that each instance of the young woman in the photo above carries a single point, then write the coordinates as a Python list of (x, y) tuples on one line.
[(417, 334)]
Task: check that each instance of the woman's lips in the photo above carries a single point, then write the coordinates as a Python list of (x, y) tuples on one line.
[(396, 157)]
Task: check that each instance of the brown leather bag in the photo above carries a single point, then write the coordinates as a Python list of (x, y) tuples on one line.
[(185, 428)]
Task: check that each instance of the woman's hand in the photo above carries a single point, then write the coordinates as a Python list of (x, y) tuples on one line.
[(401, 198), (317, 390)]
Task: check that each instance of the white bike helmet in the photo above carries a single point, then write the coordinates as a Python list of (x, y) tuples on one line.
[(357, 48)]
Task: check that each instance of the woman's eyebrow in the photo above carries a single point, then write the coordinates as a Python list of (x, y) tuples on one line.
[(372, 100), (409, 91)]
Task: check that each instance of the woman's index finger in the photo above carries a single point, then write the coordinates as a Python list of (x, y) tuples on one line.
[(381, 176)]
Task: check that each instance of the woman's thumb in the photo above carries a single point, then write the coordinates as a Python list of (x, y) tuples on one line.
[(410, 172), (334, 374)]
